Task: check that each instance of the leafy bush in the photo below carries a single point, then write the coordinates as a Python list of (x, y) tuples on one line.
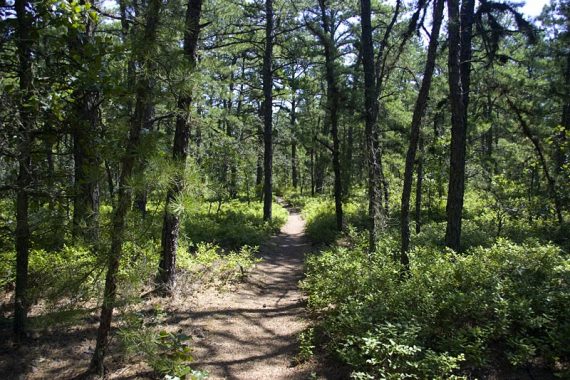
[(68, 272), (234, 225), (212, 263), (169, 354), (503, 304), (319, 213)]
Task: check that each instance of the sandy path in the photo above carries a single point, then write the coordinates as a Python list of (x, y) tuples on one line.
[(252, 333)]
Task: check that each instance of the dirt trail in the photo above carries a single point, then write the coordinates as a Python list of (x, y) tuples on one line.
[(252, 333)]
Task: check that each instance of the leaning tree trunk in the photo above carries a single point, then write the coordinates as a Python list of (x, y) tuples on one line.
[(551, 181), (419, 110), (268, 112), (22, 238), (142, 51), (167, 267)]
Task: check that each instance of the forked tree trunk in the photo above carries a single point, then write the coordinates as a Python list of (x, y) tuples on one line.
[(419, 110), (142, 51), (170, 228)]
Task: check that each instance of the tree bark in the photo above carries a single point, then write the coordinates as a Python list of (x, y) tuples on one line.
[(294, 170), (459, 63), (419, 110), (419, 185), (22, 235), (371, 116), (268, 112), (333, 103), (85, 127), (141, 51), (170, 228)]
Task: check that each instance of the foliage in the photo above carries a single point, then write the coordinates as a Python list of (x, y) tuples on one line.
[(319, 215), (502, 304), (70, 273), (234, 224), (210, 263), (169, 354)]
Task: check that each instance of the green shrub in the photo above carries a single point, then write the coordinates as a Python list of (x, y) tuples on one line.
[(211, 263), (169, 354), (68, 272), (319, 214), (505, 303), (234, 225)]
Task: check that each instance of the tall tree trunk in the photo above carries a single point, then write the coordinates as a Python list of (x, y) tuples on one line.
[(141, 192), (171, 224), (22, 238), (268, 112), (419, 110), (348, 161), (142, 50), (294, 171), (371, 118), (85, 127), (459, 62), (333, 103), (312, 169)]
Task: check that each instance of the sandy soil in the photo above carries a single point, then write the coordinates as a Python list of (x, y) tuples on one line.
[(252, 333), (247, 332)]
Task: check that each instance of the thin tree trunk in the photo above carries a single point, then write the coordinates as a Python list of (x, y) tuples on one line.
[(294, 171), (312, 168), (22, 238), (167, 267), (419, 110), (142, 51), (540, 153), (268, 112), (348, 161), (333, 103), (419, 185)]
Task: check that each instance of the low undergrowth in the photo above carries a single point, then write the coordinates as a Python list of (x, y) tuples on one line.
[(234, 224), (452, 314)]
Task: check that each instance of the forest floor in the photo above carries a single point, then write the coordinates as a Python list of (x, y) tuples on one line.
[(252, 333), (247, 331)]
